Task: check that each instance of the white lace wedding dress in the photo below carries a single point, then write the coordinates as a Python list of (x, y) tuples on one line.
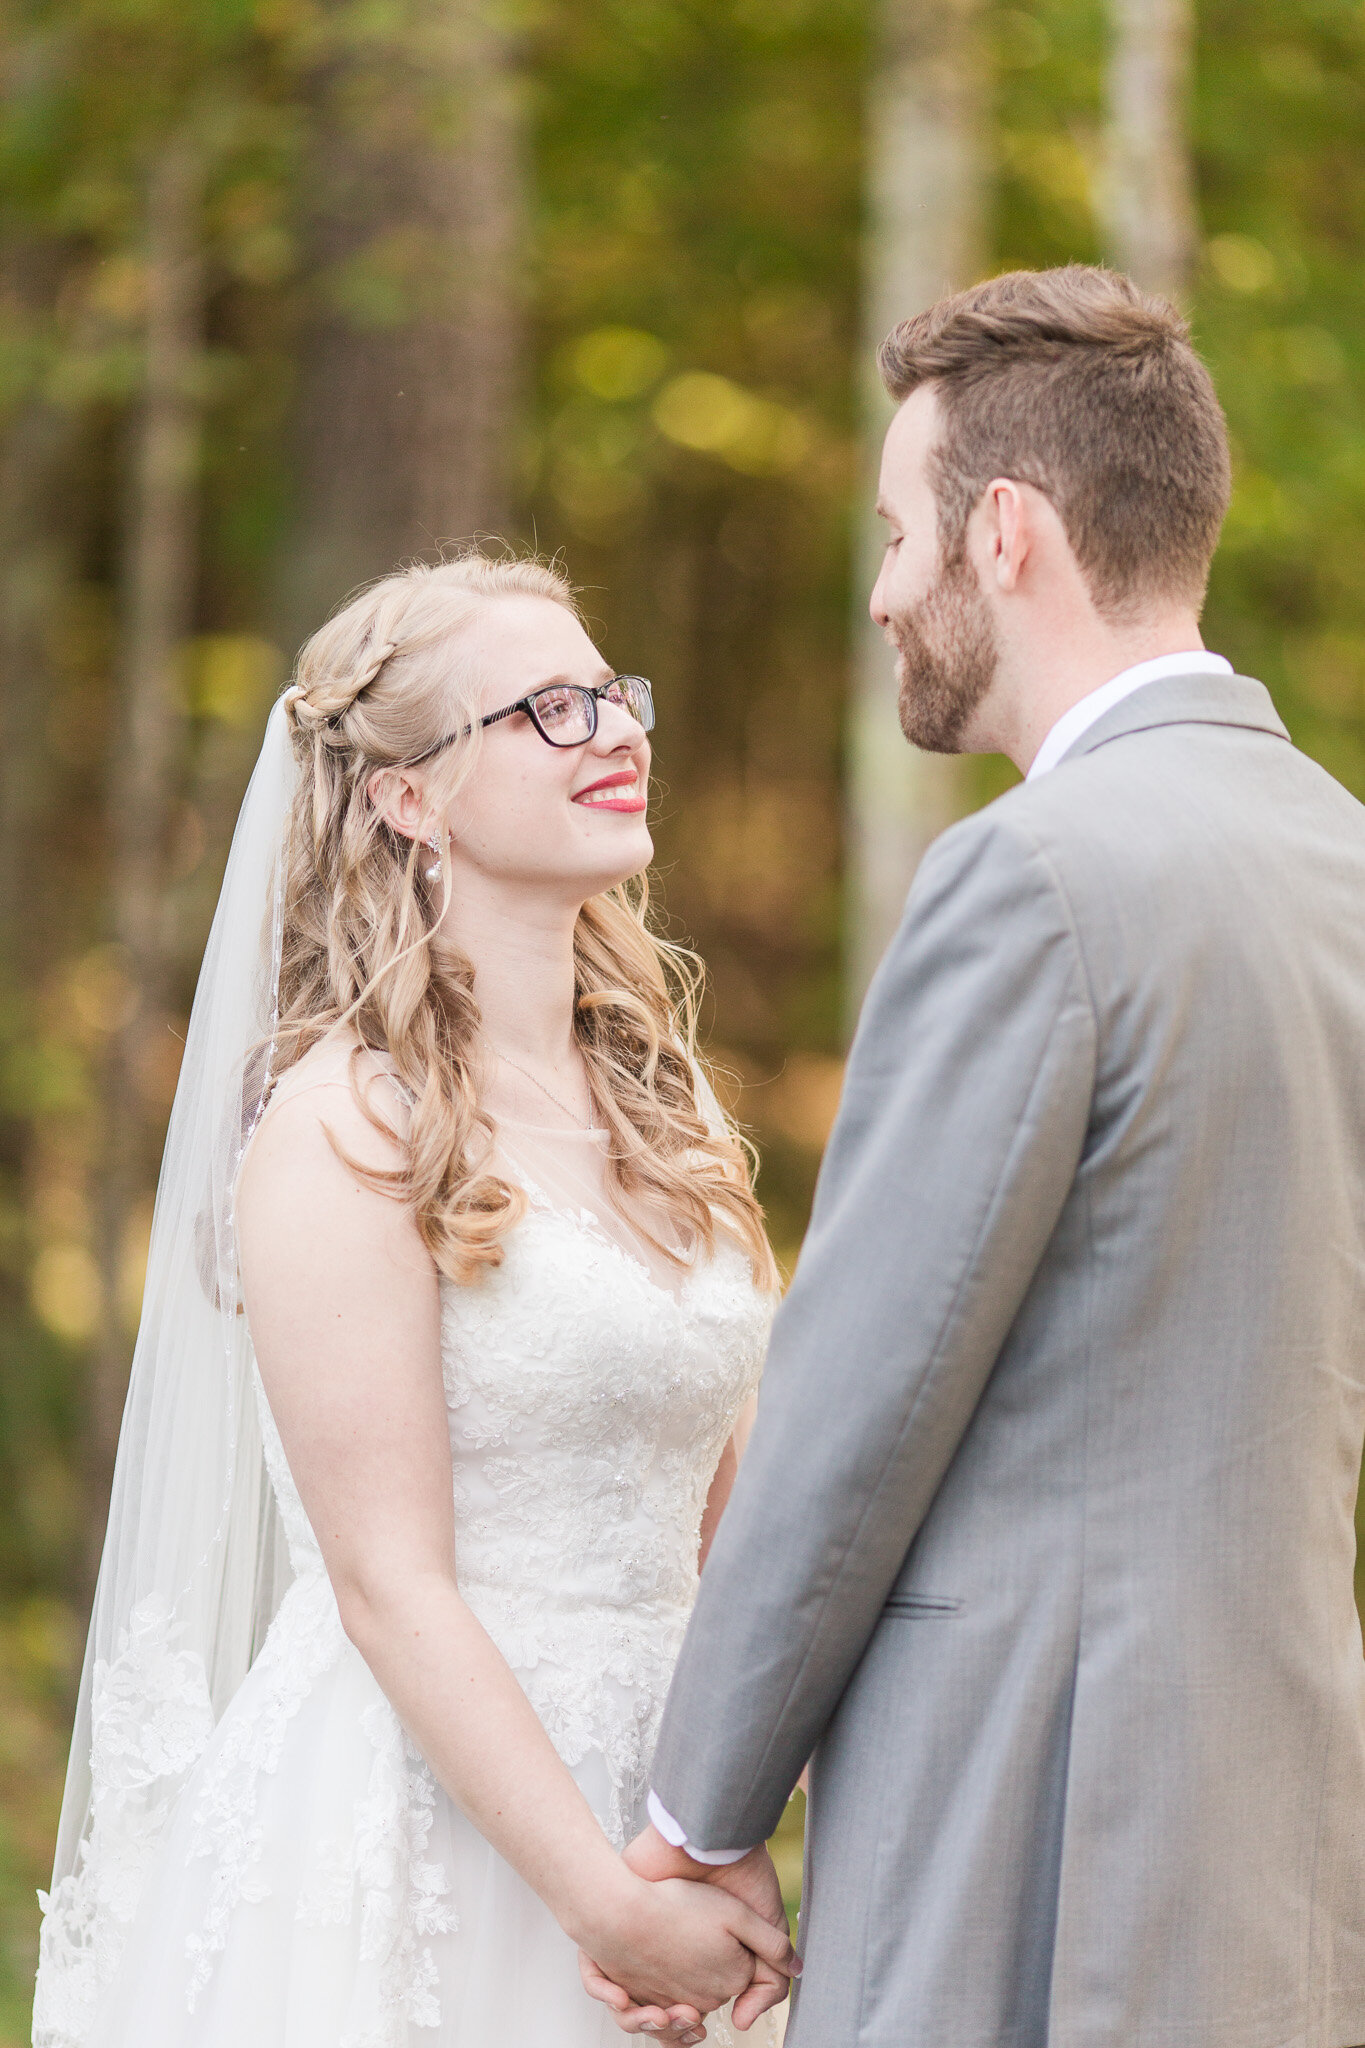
[(315, 1887)]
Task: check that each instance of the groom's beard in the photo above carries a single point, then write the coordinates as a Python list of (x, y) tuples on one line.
[(947, 656)]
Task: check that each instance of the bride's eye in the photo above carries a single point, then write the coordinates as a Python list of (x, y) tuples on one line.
[(558, 708)]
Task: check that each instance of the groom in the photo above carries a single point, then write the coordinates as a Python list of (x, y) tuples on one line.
[(1042, 1548)]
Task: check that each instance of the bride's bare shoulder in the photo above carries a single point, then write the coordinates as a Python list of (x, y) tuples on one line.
[(337, 1108)]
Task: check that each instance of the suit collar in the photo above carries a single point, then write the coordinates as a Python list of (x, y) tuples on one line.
[(1184, 700)]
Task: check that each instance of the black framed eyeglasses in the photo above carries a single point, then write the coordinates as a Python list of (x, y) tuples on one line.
[(565, 714)]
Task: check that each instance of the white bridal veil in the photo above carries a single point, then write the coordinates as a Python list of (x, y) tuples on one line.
[(193, 1567)]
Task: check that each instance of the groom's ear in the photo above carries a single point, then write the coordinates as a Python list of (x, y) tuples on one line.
[(1003, 525), (1013, 528)]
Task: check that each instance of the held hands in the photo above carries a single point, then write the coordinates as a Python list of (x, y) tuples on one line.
[(754, 1881), (665, 1997)]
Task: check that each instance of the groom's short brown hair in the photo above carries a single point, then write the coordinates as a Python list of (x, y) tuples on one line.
[(1078, 383)]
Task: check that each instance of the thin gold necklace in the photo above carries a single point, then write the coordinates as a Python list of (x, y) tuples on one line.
[(509, 1061)]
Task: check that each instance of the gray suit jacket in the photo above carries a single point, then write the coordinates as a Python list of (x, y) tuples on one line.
[(1043, 1542)]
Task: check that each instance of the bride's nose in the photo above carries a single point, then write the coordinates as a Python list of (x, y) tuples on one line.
[(617, 732)]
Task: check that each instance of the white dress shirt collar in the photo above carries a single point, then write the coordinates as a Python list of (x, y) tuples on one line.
[(1080, 718)]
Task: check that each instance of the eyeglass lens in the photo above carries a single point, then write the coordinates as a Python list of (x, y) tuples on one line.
[(567, 714)]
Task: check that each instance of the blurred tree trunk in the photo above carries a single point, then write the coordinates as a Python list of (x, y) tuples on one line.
[(925, 197), (37, 569), (36, 573), (1150, 222), (37, 487), (157, 612), (410, 364)]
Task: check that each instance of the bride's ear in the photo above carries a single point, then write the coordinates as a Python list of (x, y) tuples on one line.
[(398, 801)]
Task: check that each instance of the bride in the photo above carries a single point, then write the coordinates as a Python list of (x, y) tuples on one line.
[(457, 1291)]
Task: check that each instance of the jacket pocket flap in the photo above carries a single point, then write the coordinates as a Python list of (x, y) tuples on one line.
[(941, 1604)]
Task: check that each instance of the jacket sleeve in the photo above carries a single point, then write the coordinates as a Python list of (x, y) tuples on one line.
[(962, 1123)]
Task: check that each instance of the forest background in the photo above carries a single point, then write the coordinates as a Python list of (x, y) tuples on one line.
[(293, 289)]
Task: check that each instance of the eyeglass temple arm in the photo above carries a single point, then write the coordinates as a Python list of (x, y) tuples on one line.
[(507, 711)]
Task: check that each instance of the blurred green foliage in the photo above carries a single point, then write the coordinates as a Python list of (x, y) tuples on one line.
[(687, 436), (693, 445)]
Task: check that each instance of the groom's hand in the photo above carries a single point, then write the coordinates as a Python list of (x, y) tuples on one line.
[(752, 1879), (677, 1950)]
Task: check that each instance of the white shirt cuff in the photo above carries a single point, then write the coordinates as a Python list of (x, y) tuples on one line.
[(677, 1836)]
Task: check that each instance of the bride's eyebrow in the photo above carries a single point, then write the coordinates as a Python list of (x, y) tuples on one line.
[(563, 682)]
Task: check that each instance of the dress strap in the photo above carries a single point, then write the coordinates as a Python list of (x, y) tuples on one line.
[(290, 1086)]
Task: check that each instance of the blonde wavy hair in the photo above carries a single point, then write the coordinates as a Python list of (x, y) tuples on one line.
[(378, 685)]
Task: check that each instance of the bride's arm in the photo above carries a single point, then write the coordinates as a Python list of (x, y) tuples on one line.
[(344, 1311)]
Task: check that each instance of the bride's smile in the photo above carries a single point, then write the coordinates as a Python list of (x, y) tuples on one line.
[(618, 792)]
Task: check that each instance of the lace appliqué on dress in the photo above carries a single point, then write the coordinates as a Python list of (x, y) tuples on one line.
[(151, 1720), (383, 1876), (305, 1639), (584, 1446)]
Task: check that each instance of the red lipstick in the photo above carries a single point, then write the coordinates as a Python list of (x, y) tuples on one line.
[(623, 779)]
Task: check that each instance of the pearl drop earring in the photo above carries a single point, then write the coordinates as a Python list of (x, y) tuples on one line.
[(433, 873)]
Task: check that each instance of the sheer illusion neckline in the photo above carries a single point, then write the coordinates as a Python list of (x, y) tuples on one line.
[(576, 1192), (518, 1123), (585, 1219)]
